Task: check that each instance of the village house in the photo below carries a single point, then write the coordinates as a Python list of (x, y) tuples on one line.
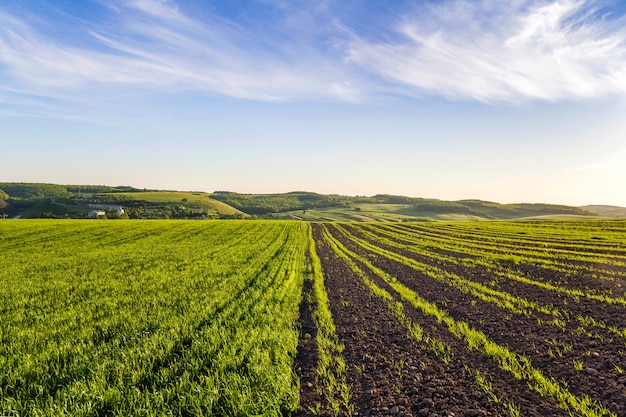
[(108, 207)]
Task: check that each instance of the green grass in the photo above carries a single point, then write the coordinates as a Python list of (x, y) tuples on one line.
[(161, 196), (607, 211), (387, 212), (191, 199), (358, 213), (150, 318), (45, 207), (331, 367)]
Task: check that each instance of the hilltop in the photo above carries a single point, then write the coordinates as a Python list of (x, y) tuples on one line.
[(36, 200)]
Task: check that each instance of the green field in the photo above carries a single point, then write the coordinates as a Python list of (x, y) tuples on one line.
[(387, 212), (190, 318), (166, 197), (149, 318), (197, 200), (537, 306), (35, 200), (38, 200), (373, 212)]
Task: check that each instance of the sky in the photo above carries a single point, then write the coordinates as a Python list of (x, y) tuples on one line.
[(507, 101)]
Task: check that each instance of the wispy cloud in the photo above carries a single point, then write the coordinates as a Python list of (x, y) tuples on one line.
[(460, 49), (512, 51), (155, 46)]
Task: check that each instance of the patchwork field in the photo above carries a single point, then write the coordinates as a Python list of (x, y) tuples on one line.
[(239, 318)]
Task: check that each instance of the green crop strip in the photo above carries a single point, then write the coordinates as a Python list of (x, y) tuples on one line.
[(497, 271), (395, 308), (150, 318), (522, 236), (518, 365), (505, 300), (541, 254), (575, 234), (331, 366), (486, 386), (492, 251), (486, 262)]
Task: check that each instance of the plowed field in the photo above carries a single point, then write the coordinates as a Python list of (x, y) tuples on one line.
[(460, 320)]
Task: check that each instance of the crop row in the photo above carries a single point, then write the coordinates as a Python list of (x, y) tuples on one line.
[(542, 253), (565, 343), (511, 290), (202, 318), (152, 318), (598, 281)]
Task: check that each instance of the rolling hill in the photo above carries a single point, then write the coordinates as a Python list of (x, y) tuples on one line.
[(607, 211), (383, 207), (36, 200)]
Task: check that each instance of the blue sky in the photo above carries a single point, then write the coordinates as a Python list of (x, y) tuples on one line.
[(508, 101)]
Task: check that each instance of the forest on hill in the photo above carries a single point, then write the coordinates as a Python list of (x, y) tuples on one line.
[(353, 208), (41, 200), (36, 200)]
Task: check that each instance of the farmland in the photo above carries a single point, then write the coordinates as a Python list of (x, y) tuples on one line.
[(149, 318), (247, 317), (479, 318), (41, 200)]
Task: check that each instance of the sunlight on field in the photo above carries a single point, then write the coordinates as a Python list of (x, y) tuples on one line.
[(149, 318), (215, 317)]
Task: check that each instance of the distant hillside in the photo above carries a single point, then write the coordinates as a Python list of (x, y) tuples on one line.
[(278, 203), (32, 200), (607, 211), (196, 202), (319, 207), (521, 210), (36, 200), (27, 190)]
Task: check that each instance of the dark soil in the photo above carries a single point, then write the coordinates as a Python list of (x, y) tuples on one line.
[(391, 373), (306, 358)]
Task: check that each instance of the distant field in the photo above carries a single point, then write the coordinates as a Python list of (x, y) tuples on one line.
[(37, 200), (607, 211), (195, 199), (371, 212), (368, 212), (162, 196)]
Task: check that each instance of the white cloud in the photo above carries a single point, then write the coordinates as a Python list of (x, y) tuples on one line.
[(459, 49), (156, 47), (510, 52)]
